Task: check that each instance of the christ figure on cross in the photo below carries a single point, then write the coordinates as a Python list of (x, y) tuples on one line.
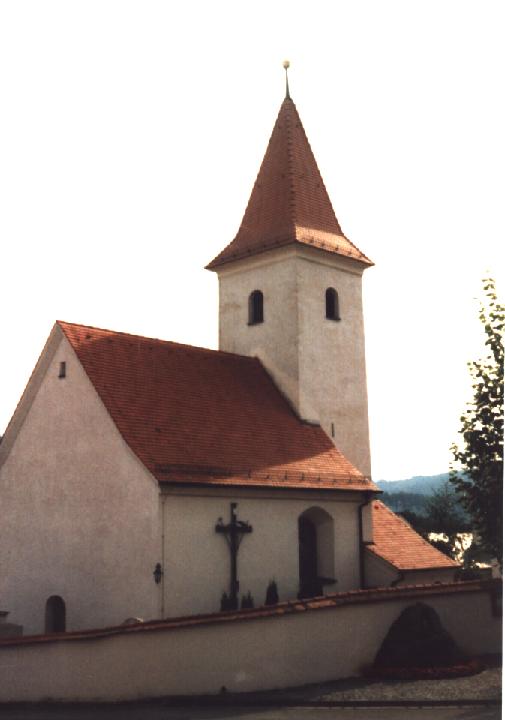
[(233, 533)]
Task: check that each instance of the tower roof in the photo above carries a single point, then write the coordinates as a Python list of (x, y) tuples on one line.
[(289, 202)]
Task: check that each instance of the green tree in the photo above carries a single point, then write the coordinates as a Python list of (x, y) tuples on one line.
[(442, 514), (478, 470)]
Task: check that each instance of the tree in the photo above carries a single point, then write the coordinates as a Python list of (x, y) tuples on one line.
[(443, 515), (479, 460)]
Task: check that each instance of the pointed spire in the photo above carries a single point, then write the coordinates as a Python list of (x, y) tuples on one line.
[(289, 202), (285, 65)]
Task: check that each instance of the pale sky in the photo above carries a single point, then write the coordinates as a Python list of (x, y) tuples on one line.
[(131, 133)]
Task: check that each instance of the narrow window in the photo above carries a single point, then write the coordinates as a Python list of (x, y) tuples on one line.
[(63, 370), (55, 615), (255, 307), (332, 310)]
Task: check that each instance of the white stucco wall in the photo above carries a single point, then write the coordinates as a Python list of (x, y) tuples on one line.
[(422, 577), (80, 515), (318, 363), (242, 655), (274, 341), (332, 370), (379, 573), (195, 580)]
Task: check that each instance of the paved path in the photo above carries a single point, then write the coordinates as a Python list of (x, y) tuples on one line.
[(304, 703), (162, 712)]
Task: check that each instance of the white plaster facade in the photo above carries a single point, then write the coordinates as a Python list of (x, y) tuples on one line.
[(318, 363), (197, 559), (84, 520), (379, 573), (80, 515)]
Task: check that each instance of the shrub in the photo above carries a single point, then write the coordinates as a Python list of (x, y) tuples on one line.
[(272, 596), (247, 601), (227, 603)]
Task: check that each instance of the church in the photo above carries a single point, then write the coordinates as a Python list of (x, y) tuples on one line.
[(141, 478)]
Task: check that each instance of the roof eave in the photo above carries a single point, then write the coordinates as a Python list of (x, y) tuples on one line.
[(217, 263), (452, 564)]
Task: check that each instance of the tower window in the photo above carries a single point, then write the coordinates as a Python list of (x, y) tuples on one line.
[(332, 309), (255, 307)]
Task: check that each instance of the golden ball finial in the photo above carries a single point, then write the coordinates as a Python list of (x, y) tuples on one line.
[(285, 64)]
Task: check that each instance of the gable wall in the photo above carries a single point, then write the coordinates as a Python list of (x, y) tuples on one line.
[(379, 573), (195, 580), (80, 514)]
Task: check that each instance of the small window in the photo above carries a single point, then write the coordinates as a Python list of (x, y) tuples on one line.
[(63, 370), (255, 307), (55, 615), (332, 309)]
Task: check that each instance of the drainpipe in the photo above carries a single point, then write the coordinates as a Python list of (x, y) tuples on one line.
[(163, 498), (368, 497)]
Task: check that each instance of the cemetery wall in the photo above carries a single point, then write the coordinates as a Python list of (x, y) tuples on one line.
[(286, 645)]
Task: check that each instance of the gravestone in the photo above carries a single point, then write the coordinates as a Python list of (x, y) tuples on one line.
[(417, 639)]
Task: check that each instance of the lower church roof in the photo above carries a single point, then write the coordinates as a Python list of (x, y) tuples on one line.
[(198, 416), (397, 543)]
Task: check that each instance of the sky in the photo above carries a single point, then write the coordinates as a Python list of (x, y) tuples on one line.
[(131, 133)]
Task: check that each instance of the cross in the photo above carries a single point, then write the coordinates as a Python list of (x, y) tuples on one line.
[(233, 533)]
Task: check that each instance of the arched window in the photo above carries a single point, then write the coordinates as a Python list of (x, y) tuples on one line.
[(255, 307), (332, 310), (316, 551), (55, 615)]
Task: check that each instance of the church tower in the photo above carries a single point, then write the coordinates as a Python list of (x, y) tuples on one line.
[(290, 292)]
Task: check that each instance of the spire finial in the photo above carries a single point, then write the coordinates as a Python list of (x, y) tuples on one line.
[(285, 65)]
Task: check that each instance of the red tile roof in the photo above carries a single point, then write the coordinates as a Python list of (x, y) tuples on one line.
[(289, 202), (193, 415), (397, 543)]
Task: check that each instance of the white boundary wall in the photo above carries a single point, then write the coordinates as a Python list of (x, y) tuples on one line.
[(317, 642)]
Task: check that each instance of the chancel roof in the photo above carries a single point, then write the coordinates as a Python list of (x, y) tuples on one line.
[(397, 543), (289, 202), (198, 416)]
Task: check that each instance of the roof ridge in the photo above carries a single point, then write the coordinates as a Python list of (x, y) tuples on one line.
[(302, 129), (62, 323), (289, 152)]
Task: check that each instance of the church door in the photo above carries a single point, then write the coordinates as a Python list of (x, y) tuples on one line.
[(55, 615), (310, 586)]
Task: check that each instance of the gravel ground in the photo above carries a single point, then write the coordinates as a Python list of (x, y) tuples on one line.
[(485, 685)]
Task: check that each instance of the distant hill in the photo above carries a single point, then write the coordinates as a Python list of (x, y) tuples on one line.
[(412, 493), (419, 484)]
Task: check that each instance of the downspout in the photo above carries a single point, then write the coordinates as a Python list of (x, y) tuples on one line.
[(368, 497), (162, 609)]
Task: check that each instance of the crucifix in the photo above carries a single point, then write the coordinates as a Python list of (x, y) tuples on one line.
[(233, 533)]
